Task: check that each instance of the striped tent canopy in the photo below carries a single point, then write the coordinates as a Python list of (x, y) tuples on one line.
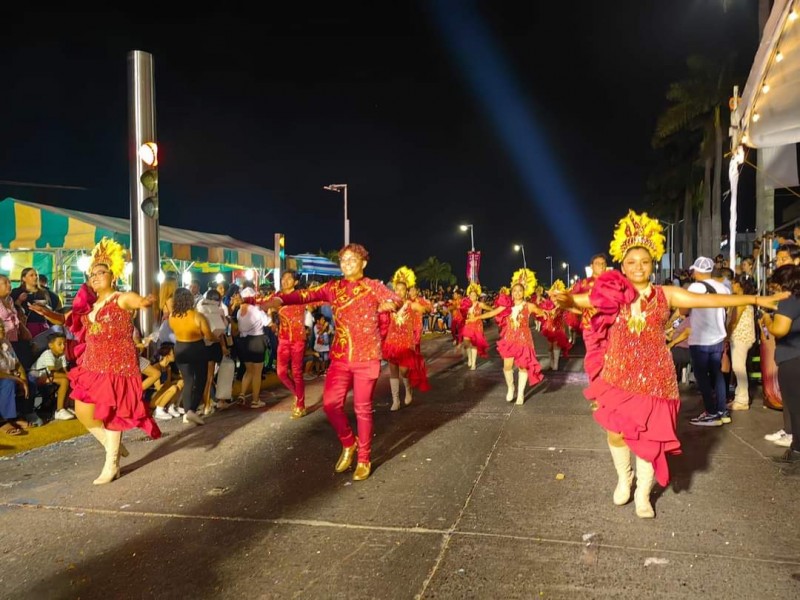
[(30, 226), (311, 264)]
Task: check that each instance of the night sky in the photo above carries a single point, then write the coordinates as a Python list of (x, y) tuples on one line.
[(530, 120)]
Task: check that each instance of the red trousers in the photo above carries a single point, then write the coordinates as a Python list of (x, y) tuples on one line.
[(291, 354), (361, 377)]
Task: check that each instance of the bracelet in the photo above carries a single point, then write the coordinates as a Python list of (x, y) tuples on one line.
[(755, 300)]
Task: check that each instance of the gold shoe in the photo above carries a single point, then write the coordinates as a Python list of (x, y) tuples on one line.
[(363, 471), (298, 412), (346, 458)]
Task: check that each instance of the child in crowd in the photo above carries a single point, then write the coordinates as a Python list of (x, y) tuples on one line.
[(323, 333), (51, 369)]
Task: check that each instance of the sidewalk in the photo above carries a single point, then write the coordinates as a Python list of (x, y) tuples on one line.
[(470, 497)]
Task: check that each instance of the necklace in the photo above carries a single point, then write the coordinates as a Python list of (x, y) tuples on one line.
[(638, 319)]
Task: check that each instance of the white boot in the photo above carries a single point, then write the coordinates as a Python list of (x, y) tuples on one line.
[(556, 356), (621, 455), (473, 358), (100, 435), (522, 380), (394, 384), (644, 485), (110, 470), (509, 375), (409, 394)]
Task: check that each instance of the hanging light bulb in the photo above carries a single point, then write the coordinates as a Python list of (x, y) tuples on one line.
[(84, 262), (779, 56), (792, 16), (765, 88), (186, 278), (219, 278), (756, 117), (250, 274), (161, 277), (7, 262)]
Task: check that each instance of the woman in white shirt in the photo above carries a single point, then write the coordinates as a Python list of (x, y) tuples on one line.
[(251, 345)]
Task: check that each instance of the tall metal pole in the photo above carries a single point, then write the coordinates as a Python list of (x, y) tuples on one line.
[(524, 262), (346, 219), (144, 229), (550, 258)]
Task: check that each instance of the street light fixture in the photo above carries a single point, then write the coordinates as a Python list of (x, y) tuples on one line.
[(550, 258), (471, 234), (339, 187), (565, 265), (521, 248)]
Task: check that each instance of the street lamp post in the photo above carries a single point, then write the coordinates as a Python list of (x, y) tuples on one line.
[(521, 248), (550, 258), (565, 265), (471, 234), (339, 187)]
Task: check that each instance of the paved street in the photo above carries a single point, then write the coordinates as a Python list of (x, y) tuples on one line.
[(470, 497)]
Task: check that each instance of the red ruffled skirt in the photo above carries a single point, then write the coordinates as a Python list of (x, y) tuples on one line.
[(117, 400), (559, 338), (573, 320), (408, 358), (524, 357), (474, 332), (648, 424)]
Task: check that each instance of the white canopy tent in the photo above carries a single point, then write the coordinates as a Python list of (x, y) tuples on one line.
[(767, 115)]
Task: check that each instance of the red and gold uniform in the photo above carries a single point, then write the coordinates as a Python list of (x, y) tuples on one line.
[(355, 352), (291, 350), (553, 325), (416, 316)]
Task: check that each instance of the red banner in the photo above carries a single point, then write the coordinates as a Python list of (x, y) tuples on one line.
[(473, 265)]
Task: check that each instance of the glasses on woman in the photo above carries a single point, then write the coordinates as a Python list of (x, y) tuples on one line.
[(98, 274)]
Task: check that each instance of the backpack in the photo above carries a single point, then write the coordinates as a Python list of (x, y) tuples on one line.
[(710, 289)]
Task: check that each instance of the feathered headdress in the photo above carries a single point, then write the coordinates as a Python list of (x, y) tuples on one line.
[(527, 278), (637, 231), (110, 253), (474, 287), (558, 286), (404, 275)]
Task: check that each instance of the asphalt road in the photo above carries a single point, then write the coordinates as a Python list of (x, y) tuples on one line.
[(470, 497)]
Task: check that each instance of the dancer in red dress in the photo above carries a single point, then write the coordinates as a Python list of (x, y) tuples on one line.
[(472, 337), (292, 346), (414, 296), (457, 317), (636, 391), (553, 326), (355, 352), (516, 341), (107, 383), (577, 320), (399, 347)]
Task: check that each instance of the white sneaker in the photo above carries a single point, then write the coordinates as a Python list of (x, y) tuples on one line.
[(173, 410), (193, 417), (771, 437), (63, 415), (161, 414), (785, 441)]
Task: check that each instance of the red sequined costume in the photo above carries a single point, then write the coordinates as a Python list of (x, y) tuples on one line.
[(399, 346), (506, 302), (457, 319), (574, 320), (291, 350), (553, 325), (473, 330), (517, 342), (636, 391), (355, 353), (108, 374), (416, 316)]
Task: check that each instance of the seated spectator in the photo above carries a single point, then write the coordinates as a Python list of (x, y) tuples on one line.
[(678, 343), (51, 369), (168, 387), (12, 374)]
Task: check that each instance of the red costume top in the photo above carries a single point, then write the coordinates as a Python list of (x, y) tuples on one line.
[(399, 346), (416, 317), (457, 318), (553, 325), (355, 310), (517, 342), (108, 374), (636, 390), (473, 330), (292, 323)]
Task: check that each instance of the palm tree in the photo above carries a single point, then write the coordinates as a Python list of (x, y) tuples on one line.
[(435, 272), (696, 106)]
